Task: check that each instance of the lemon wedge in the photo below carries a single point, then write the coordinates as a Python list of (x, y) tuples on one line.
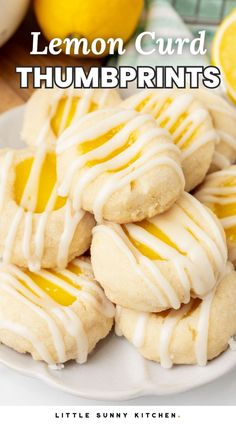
[(224, 53)]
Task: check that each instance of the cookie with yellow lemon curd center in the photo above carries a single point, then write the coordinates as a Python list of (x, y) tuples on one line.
[(218, 192), (189, 124), (197, 332), (53, 315), (38, 228), (224, 117), (119, 165), (57, 109), (159, 263)]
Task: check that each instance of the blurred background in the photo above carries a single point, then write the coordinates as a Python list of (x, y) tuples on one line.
[(203, 12)]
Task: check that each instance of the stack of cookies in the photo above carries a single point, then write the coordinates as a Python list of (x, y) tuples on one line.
[(115, 177)]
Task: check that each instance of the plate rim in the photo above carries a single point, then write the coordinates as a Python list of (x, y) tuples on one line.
[(145, 388)]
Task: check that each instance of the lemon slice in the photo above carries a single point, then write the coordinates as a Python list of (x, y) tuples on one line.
[(224, 54)]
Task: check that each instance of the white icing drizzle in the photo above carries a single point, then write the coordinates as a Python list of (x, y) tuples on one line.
[(35, 264), (86, 97), (220, 161), (203, 329), (84, 265), (58, 318), (22, 331), (30, 194), (118, 237), (173, 113), (66, 110), (72, 220), (102, 307), (228, 139), (226, 136), (169, 323), (27, 235), (166, 334), (14, 288), (156, 102), (215, 191), (199, 257), (40, 138), (168, 327), (140, 329), (124, 161), (10, 239), (25, 219)]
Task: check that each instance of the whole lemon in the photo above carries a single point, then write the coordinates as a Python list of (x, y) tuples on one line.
[(88, 19)]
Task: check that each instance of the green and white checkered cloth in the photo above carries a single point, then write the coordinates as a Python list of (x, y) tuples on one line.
[(162, 18)]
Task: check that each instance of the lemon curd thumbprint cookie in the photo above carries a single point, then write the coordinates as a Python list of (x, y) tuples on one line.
[(119, 165), (55, 316), (224, 117), (49, 112), (159, 263), (197, 332), (38, 228), (218, 192), (189, 124)]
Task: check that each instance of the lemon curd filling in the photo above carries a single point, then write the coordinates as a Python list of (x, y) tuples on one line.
[(58, 294), (42, 188), (231, 233), (22, 173), (178, 122), (152, 107), (225, 210), (164, 122), (56, 121), (90, 145), (142, 248), (156, 232), (65, 113), (51, 288), (142, 104), (163, 108)]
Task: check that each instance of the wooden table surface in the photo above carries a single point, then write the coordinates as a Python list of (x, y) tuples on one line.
[(16, 53)]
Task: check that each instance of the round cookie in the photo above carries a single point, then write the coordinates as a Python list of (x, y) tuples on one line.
[(224, 118), (197, 332), (55, 316), (189, 123), (119, 165), (49, 112), (38, 228), (160, 262), (218, 192)]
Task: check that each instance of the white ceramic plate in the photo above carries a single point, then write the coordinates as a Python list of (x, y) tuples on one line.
[(115, 371)]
